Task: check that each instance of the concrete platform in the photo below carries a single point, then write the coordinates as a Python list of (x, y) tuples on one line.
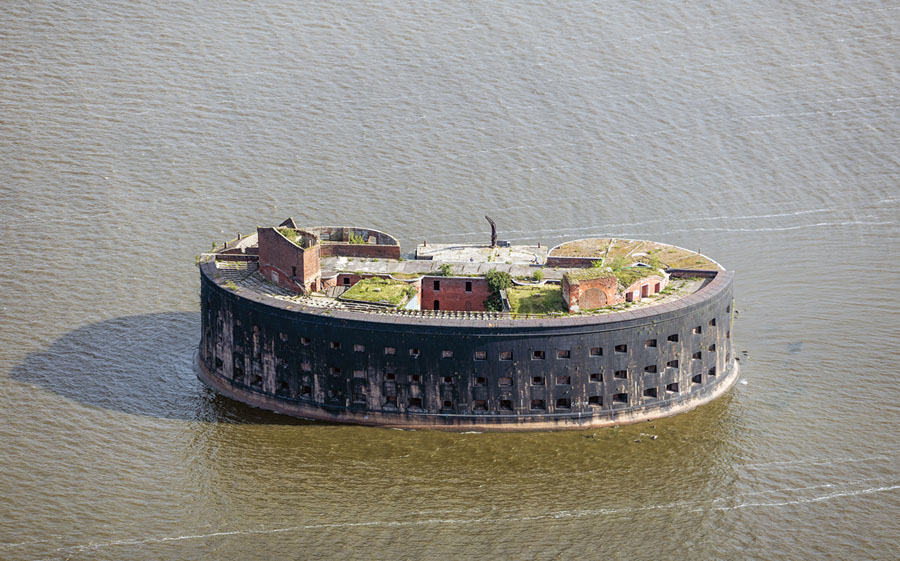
[(464, 253)]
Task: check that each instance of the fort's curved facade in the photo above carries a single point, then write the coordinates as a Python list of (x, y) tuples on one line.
[(317, 357)]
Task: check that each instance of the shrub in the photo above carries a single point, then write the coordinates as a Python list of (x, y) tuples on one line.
[(498, 280)]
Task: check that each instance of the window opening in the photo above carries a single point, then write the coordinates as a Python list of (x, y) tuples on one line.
[(596, 351)]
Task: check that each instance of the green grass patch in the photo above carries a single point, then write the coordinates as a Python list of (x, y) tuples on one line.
[(293, 236), (535, 300), (380, 291), (626, 276)]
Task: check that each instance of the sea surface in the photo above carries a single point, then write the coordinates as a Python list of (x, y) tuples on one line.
[(133, 135)]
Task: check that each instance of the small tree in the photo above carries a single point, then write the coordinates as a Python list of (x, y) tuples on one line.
[(538, 275), (445, 270), (497, 281)]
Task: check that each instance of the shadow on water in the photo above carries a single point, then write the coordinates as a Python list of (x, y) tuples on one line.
[(142, 365)]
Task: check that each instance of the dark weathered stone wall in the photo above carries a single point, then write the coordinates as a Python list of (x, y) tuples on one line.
[(575, 371)]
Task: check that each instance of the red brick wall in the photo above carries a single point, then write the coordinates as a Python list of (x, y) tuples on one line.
[(651, 281), (278, 254), (590, 293), (452, 294), (359, 250), (571, 262)]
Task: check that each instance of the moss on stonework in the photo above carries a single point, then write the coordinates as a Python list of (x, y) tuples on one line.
[(293, 236), (625, 276)]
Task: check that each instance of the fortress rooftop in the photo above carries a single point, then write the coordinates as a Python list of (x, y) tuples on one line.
[(315, 267)]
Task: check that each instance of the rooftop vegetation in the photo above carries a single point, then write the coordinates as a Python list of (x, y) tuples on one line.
[(497, 281), (667, 256), (625, 275), (380, 291), (294, 236), (526, 300)]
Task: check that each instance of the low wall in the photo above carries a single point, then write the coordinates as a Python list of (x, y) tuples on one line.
[(572, 262), (370, 251)]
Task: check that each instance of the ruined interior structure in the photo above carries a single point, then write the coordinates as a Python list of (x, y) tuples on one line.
[(336, 324)]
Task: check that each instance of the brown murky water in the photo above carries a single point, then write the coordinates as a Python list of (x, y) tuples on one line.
[(133, 135)]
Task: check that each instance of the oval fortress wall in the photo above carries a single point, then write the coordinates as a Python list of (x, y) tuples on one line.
[(578, 371)]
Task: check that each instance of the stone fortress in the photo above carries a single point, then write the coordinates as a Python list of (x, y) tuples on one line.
[(336, 324)]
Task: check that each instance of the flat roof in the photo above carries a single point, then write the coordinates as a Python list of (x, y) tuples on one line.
[(474, 260)]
